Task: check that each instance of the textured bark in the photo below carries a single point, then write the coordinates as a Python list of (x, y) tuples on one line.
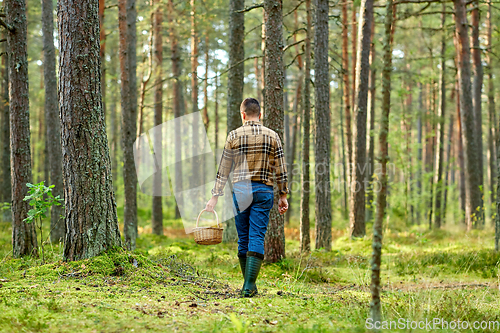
[(274, 245), (157, 214), (474, 202), (375, 306), (322, 124), (6, 190), (419, 152), (305, 238), (24, 241), (114, 124), (477, 87), (178, 101), (216, 111), (440, 126), (293, 145), (128, 64), (206, 120), (90, 204), (235, 86), (194, 177), (371, 142), (460, 153), (347, 96), (358, 186), (354, 54), (447, 168), (491, 111), (52, 121), (102, 52)]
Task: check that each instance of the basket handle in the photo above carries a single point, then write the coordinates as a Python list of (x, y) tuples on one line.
[(216, 217)]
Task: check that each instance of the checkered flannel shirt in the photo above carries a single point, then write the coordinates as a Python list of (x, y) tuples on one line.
[(253, 152)]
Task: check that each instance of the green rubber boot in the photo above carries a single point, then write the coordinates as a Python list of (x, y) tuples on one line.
[(243, 262), (254, 261)]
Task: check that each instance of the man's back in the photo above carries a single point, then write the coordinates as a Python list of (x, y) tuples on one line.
[(252, 152)]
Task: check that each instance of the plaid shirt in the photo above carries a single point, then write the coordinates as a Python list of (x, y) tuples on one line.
[(253, 152)]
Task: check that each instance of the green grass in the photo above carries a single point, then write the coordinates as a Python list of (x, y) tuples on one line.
[(172, 284)]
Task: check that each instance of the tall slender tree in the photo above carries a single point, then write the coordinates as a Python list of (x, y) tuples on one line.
[(376, 261), (128, 63), (91, 218), (440, 126), (491, 107), (52, 121), (24, 241), (177, 100), (6, 190), (477, 87), (322, 124), (474, 201), (102, 52), (345, 76), (195, 175), (274, 76), (371, 133), (305, 237), (358, 186), (235, 85), (157, 214)]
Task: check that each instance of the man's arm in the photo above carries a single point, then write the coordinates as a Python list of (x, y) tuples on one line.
[(281, 176), (225, 165)]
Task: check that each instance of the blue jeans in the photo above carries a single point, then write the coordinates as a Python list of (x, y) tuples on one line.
[(252, 202)]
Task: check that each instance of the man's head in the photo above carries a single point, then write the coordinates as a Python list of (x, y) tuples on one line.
[(250, 109)]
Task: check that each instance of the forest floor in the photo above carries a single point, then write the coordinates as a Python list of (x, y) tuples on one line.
[(170, 284)]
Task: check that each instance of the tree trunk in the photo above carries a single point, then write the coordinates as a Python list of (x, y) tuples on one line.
[(371, 144), (178, 101), (128, 64), (376, 262), (447, 168), (474, 202), (275, 237), (102, 53), (477, 87), (235, 86), (354, 41), (460, 153), (419, 152), (322, 124), (347, 98), (491, 110), (293, 145), (6, 190), (206, 120), (305, 238), (24, 241), (157, 214), (195, 176), (89, 198), (114, 120), (357, 209), (440, 126), (52, 121)]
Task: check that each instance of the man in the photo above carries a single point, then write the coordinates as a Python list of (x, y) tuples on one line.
[(253, 152)]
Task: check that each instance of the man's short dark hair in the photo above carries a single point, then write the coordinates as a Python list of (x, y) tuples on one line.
[(250, 106)]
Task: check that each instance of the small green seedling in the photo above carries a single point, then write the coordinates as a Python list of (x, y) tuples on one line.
[(40, 197)]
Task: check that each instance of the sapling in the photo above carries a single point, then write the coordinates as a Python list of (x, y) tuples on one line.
[(40, 198)]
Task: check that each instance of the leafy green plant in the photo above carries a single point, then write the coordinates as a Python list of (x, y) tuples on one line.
[(40, 197)]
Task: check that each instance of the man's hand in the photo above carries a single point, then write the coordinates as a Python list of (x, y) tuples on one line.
[(211, 204), (282, 204)]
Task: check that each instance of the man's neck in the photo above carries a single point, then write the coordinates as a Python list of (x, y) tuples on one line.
[(252, 119)]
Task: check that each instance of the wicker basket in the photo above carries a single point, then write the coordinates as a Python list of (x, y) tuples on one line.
[(208, 235)]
